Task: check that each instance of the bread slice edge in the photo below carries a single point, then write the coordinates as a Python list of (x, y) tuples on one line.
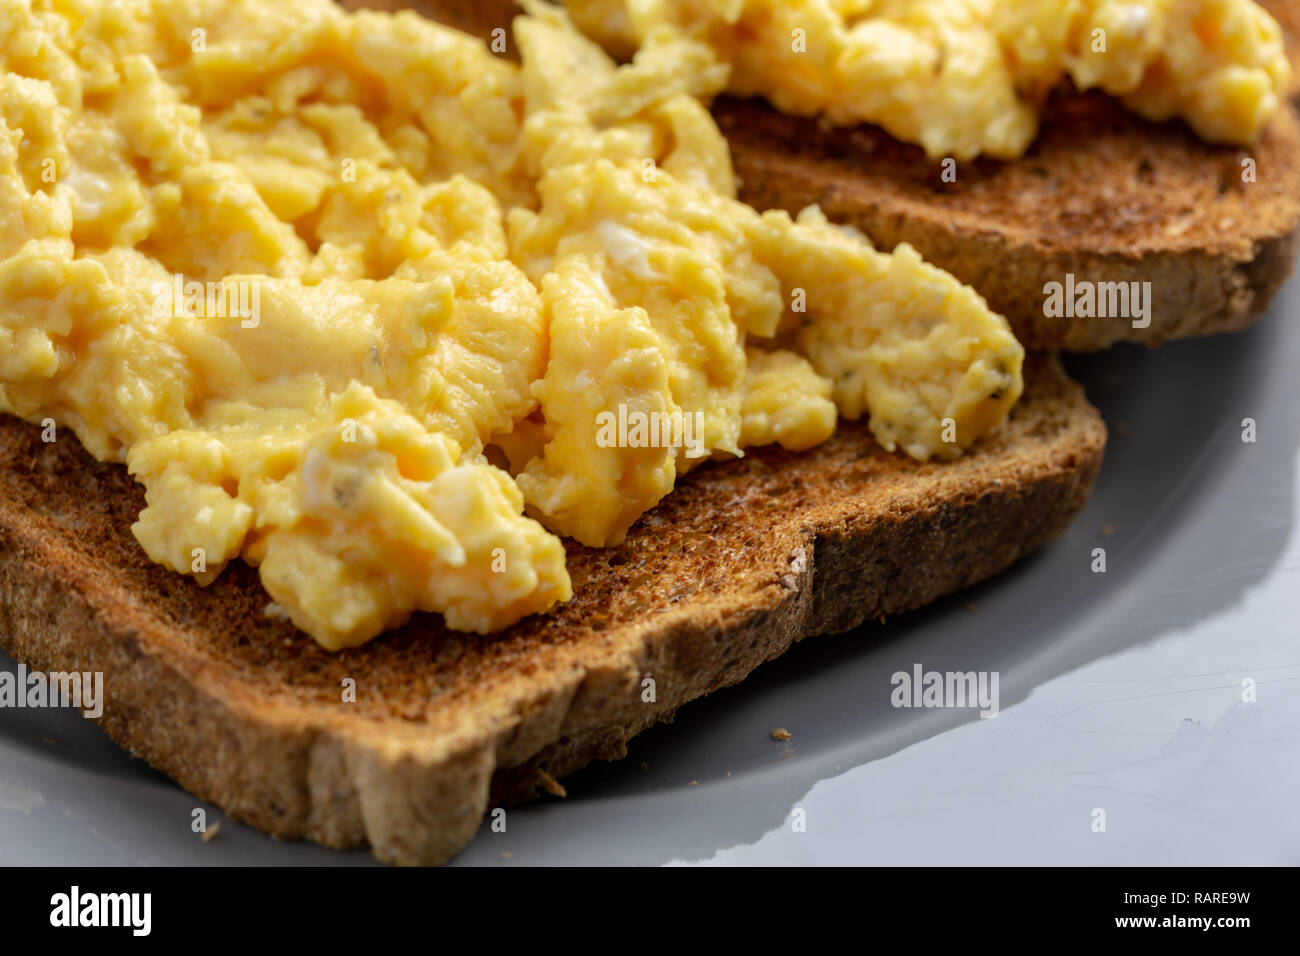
[(416, 796)]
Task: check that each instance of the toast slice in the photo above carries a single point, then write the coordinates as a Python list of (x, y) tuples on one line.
[(1102, 195), (742, 560)]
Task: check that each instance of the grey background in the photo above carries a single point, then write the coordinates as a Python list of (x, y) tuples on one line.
[(1119, 691)]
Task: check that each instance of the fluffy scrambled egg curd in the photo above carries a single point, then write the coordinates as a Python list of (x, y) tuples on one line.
[(384, 315), (962, 77)]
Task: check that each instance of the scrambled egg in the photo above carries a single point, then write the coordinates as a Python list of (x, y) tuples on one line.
[(963, 77), (357, 301)]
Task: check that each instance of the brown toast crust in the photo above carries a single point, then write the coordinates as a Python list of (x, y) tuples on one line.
[(745, 558), (1102, 194)]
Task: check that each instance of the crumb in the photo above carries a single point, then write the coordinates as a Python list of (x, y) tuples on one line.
[(49, 740), (780, 734), (550, 784), (277, 612), (644, 765), (970, 608), (505, 854), (693, 783), (1121, 428), (1107, 530), (211, 832), (728, 773)]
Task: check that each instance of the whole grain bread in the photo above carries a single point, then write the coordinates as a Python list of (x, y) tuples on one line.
[(742, 560), (1102, 195)]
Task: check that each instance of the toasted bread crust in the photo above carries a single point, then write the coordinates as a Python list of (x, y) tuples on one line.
[(1102, 195), (247, 713)]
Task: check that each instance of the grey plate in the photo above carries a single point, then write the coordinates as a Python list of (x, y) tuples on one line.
[(1120, 692)]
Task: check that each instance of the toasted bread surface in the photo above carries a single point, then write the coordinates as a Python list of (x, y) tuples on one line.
[(1102, 195), (742, 560)]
